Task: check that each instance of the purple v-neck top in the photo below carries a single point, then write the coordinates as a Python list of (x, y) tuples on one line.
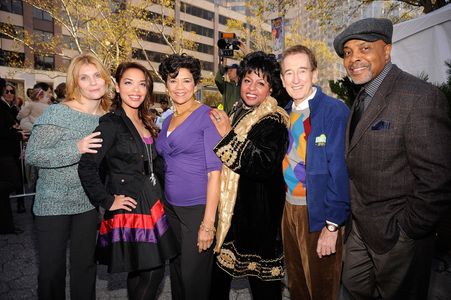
[(189, 157)]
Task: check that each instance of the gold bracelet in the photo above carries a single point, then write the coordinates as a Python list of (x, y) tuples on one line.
[(206, 229)]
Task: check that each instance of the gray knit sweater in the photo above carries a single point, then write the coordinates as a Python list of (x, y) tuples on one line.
[(53, 149)]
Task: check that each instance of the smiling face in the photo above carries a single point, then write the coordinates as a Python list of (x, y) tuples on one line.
[(90, 82), (132, 88), (181, 88), (363, 60), (298, 77), (254, 89)]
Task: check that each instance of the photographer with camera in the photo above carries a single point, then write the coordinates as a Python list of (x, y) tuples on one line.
[(230, 90)]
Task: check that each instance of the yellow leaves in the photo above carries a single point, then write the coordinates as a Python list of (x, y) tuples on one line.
[(105, 28)]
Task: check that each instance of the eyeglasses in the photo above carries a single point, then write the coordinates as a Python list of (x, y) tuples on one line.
[(12, 92)]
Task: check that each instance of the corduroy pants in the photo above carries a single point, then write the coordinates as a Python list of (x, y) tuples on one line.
[(309, 277)]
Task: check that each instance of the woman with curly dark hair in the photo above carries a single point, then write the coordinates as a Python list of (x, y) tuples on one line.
[(254, 143), (134, 235), (192, 177)]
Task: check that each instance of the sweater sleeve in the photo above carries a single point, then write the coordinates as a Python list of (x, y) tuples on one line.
[(219, 79), (48, 147)]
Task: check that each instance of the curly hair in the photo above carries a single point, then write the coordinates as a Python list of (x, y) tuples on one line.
[(171, 65), (264, 65), (144, 109)]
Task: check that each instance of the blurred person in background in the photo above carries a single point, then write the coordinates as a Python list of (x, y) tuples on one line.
[(166, 111), (9, 95), (60, 92), (10, 137), (47, 89), (230, 90), (40, 101)]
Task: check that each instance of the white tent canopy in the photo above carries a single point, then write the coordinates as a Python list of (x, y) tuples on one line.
[(422, 45)]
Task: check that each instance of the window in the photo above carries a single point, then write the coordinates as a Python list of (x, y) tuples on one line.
[(44, 36), (198, 29), (117, 5), (64, 65), (152, 55), (223, 20), (150, 15), (69, 42), (11, 59), (196, 11), (150, 36), (206, 65), (41, 15), (42, 62), (205, 48), (12, 30), (12, 6)]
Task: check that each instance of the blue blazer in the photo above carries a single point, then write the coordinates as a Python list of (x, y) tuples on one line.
[(326, 172)]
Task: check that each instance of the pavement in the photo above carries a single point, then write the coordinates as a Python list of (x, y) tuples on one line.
[(18, 271)]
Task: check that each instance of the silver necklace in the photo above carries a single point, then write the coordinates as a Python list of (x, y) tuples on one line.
[(149, 161)]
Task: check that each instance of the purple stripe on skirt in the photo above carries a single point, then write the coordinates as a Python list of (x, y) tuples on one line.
[(130, 235)]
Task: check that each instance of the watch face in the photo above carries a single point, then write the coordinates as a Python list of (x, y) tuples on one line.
[(331, 227)]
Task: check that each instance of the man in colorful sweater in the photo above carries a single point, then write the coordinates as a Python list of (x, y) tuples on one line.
[(317, 196)]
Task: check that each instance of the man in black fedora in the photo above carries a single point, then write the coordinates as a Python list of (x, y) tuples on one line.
[(398, 153)]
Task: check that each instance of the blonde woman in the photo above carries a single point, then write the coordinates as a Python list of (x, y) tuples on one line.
[(63, 211)]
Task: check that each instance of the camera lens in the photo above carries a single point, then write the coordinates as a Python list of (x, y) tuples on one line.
[(222, 44)]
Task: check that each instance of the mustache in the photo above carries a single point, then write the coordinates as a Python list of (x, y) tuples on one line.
[(358, 65)]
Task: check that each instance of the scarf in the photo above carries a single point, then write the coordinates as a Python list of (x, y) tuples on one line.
[(229, 179)]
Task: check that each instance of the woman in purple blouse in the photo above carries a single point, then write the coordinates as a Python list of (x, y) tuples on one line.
[(192, 178)]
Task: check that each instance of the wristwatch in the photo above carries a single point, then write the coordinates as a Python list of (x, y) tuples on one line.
[(331, 227)]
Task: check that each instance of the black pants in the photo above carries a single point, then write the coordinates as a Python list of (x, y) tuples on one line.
[(261, 290), (401, 273), (6, 215), (191, 270), (144, 284), (9, 181), (53, 233)]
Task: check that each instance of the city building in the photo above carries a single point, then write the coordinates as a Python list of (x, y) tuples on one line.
[(203, 21)]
